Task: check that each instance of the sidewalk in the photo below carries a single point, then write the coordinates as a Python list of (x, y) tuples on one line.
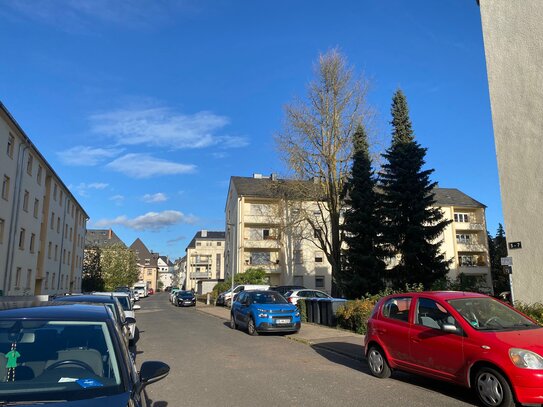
[(338, 341)]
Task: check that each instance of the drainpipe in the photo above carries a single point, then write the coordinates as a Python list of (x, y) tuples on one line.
[(62, 239), (15, 218)]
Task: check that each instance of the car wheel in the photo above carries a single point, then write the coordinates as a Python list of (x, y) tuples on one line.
[(493, 389), (233, 323), (378, 363), (251, 327)]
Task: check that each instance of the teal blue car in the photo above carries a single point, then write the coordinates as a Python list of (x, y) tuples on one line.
[(264, 311)]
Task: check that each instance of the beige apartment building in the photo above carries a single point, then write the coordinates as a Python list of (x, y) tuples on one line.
[(205, 261), (513, 38), (259, 236), (42, 226)]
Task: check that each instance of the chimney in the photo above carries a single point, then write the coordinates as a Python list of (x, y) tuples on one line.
[(273, 176), (109, 234), (204, 233)]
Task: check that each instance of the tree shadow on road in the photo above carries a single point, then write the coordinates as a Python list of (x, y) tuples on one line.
[(360, 365)]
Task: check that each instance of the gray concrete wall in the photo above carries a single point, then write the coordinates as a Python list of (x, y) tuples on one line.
[(513, 39)]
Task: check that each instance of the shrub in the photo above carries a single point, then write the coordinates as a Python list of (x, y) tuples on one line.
[(534, 311), (354, 315), (303, 310)]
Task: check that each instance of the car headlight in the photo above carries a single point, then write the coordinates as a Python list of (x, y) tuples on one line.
[(297, 314), (525, 359), (263, 313)]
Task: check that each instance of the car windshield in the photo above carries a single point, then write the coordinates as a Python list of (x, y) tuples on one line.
[(288, 293), (125, 302), (185, 294), (56, 360), (488, 314), (268, 298)]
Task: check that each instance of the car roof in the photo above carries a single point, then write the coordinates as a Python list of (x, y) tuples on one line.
[(114, 294), (108, 299), (54, 310), (260, 292), (444, 295)]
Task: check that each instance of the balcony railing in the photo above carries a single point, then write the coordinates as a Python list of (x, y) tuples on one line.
[(474, 247), (474, 269), (262, 244), (268, 268), (468, 226), (200, 275)]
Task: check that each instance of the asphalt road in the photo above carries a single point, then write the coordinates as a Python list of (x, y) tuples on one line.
[(213, 365)]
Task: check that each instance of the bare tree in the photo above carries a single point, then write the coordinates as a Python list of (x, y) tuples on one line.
[(316, 143)]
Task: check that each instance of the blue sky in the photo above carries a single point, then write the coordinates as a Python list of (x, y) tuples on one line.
[(145, 108)]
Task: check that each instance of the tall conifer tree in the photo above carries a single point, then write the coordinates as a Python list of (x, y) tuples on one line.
[(412, 226), (363, 266)]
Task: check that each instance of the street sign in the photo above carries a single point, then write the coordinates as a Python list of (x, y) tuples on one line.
[(515, 245), (506, 261)]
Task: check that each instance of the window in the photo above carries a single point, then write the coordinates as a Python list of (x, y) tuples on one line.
[(147, 262), (65, 231), (61, 198), (38, 177), (149, 272), (71, 234), (47, 279), (463, 238), (29, 163), (18, 277), (55, 191), (22, 239), (397, 308), (2, 223), (36, 207), (260, 258), (298, 280), (218, 264), (432, 315), (10, 146), (5, 188), (32, 242), (28, 278), (198, 243), (317, 233), (298, 256), (461, 217), (64, 256), (49, 250), (69, 258), (219, 243), (56, 252), (319, 282), (318, 257), (26, 198), (58, 224), (52, 225), (53, 280), (466, 260)]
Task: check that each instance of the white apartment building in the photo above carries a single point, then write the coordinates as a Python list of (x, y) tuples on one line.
[(204, 261), (263, 231), (166, 273), (258, 234), (42, 226)]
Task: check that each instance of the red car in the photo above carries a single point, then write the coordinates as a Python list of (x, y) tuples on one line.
[(466, 338), (150, 291)]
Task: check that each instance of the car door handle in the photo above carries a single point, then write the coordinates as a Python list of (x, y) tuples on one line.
[(381, 331), (415, 340)]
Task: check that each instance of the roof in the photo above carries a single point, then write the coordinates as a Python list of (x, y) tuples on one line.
[(101, 299), (143, 253), (53, 310), (102, 238), (166, 260), (271, 187), (37, 152), (445, 295), (455, 197), (209, 235)]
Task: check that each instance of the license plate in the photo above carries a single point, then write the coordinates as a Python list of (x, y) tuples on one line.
[(282, 321)]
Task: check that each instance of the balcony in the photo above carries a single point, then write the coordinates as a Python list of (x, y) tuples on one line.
[(473, 247), (468, 226), (263, 219), (200, 275), (270, 268), (269, 243), (473, 270), (200, 261)]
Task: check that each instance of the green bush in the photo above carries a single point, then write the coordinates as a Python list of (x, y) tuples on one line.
[(303, 310), (251, 276), (534, 311)]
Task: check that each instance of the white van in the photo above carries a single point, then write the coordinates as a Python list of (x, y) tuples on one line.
[(141, 289), (225, 298)]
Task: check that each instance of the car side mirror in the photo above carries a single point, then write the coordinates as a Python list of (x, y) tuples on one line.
[(449, 328), (136, 307), (129, 320), (153, 371)]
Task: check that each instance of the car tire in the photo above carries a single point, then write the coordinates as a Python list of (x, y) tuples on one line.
[(233, 323), (251, 327), (377, 363), (492, 388)]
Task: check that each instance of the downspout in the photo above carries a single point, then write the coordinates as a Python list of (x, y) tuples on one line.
[(15, 219), (63, 231)]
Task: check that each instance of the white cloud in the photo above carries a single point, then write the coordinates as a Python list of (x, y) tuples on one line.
[(162, 127), (83, 188), (118, 199), (155, 198), (87, 156), (173, 241), (150, 221), (146, 166)]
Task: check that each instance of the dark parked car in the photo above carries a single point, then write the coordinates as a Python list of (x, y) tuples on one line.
[(184, 299), (123, 322), (282, 289), (264, 311), (69, 355)]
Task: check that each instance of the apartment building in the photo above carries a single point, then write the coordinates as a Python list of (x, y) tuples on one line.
[(263, 231), (42, 226), (267, 232), (465, 240), (512, 33), (205, 261), (166, 273), (147, 263)]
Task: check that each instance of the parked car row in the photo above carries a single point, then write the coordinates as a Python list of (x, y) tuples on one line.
[(292, 293), (469, 339), (72, 350)]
